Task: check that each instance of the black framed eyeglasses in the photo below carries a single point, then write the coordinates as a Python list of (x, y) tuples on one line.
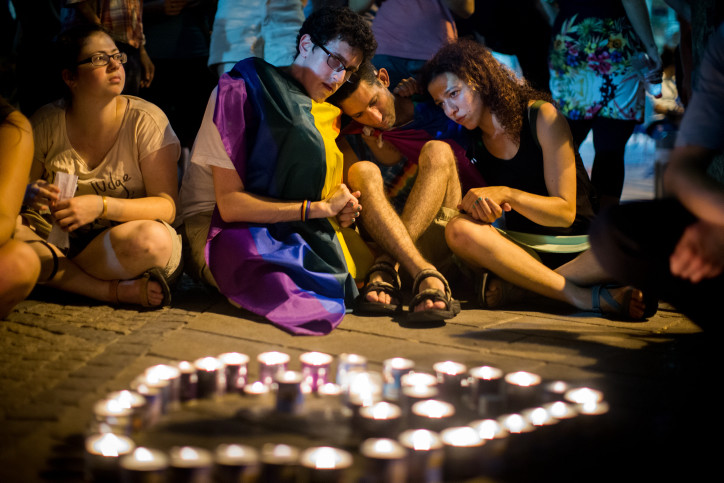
[(101, 59), (337, 65)]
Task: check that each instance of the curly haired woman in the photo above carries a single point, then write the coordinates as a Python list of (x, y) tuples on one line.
[(523, 148)]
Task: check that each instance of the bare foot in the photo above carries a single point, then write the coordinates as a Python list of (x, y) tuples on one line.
[(380, 296), (427, 304), (630, 302), (131, 292)]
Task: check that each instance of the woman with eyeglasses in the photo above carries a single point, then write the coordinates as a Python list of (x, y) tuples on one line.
[(264, 203), (110, 238)]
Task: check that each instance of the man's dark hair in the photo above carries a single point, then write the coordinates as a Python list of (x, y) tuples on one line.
[(331, 23), (366, 73)]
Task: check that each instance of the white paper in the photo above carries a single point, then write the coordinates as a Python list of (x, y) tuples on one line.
[(67, 184)]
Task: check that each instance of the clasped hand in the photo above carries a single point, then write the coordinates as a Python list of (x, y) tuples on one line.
[(344, 205), (485, 204), (40, 195)]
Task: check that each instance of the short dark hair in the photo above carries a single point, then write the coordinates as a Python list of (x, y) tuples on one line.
[(366, 73), (70, 42), (331, 23)]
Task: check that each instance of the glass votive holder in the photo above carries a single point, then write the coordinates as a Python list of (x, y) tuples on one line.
[(425, 455), (289, 392), (235, 369), (270, 363), (102, 456), (152, 390), (496, 442), (521, 436), (133, 400), (384, 460), (170, 393), (431, 414), (380, 420), (111, 416), (234, 463), (522, 391), (189, 464), (485, 391), (316, 367), (413, 394), (414, 378), (450, 376), (324, 464), (144, 465), (392, 371), (188, 387), (347, 363), (279, 463), (364, 388), (211, 377), (463, 448)]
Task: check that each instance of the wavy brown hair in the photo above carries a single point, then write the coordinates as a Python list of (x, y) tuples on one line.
[(500, 89)]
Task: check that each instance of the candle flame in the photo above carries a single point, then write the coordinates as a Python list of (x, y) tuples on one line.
[(273, 358), (109, 445), (325, 458), (584, 395), (515, 423), (522, 378), (208, 364), (143, 454), (539, 416), (316, 358), (450, 368), (488, 428), (463, 436), (421, 440), (188, 454)]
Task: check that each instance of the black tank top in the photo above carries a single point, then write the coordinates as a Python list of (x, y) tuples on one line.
[(525, 172)]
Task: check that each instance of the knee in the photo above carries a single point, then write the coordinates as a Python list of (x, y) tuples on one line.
[(436, 155), (148, 240), (20, 267), (459, 233), (362, 175)]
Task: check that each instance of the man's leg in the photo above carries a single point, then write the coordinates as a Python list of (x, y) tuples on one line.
[(436, 167), (386, 228)]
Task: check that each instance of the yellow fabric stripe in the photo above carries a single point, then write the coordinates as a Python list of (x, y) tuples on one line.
[(327, 121)]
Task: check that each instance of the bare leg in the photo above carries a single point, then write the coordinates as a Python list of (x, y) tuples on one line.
[(71, 278), (436, 168), (20, 267), (481, 245), (386, 228)]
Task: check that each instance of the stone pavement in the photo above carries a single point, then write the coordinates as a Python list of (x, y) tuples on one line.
[(59, 354)]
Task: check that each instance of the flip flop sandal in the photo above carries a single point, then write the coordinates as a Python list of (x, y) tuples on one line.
[(619, 310), (432, 315), (365, 307), (155, 274)]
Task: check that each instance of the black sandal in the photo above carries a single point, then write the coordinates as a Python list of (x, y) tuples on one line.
[(432, 315), (365, 307)]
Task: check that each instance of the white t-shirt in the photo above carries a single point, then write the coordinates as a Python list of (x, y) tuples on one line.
[(144, 130), (197, 187)]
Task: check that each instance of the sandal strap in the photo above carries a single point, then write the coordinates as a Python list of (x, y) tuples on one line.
[(427, 273), (387, 268), (56, 261)]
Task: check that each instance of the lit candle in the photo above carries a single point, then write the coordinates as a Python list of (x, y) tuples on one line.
[(144, 465), (450, 376), (412, 394), (279, 463), (315, 368), (235, 364), (211, 377), (364, 389), (111, 416), (485, 391), (554, 390), (347, 363), (188, 390), (418, 379), (324, 464), (290, 396), (189, 464), (270, 363), (392, 371), (496, 442), (521, 437), (135, 402), (384, 460), (463, 447), (432, 414), (102, 453), (424, 455), (151, 388), (170, 392), (234, 463), (380, 420), (583, 395), (258, 400), (565, 413), (522, 390)]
